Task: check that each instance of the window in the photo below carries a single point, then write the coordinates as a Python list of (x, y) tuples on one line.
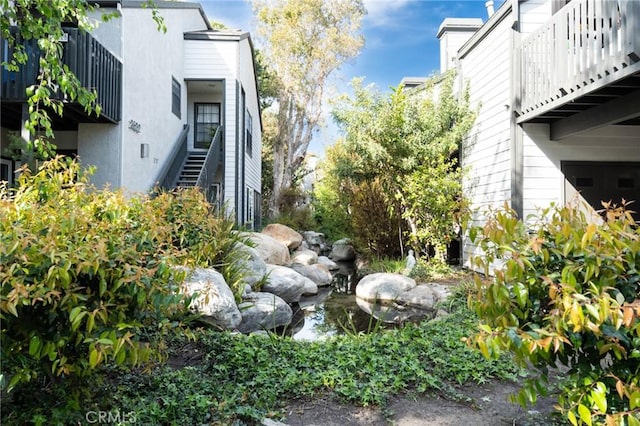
[(207, 120), (249, 138), (249, 209), (176, 93)]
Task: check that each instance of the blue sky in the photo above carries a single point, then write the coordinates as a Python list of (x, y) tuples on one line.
[(400, 39)]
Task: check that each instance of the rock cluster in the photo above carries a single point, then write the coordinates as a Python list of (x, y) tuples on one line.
[(283, 266)]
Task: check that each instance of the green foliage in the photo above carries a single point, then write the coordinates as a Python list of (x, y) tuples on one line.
[(332, 196), (85, 274), (568, 293), (41, 21), (242, 379), (82, 272), (377, 220), (200, 237), (304, 42), (400, 148)]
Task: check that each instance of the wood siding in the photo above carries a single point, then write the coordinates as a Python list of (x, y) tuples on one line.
[(485, 67)]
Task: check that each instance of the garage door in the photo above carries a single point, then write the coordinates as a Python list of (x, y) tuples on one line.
[(600, 181)]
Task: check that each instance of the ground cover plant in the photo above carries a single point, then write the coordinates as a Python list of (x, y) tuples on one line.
[(238, 379), (566, 293)]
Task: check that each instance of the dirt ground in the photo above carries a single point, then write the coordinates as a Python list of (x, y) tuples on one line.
[(490, 407)]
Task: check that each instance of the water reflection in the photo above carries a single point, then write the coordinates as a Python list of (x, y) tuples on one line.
[(393, 313), (336, 310)]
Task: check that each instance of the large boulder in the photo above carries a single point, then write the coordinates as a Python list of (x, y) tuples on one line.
[(315, 241), (263, 311), (254, 265), (343, 250), (287, 283), (304, 257), (214, 299), (328, 263), (270, 250), (384, 286), (317, 273), (284, 234)]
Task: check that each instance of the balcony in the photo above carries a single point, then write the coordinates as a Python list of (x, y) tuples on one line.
[(92, 63), (583, 65)]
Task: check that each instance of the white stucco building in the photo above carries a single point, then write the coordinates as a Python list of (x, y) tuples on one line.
[(557, 84), (164, 94)]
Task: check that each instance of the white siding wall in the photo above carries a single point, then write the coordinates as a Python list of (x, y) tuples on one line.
[(533, 13), (486, 67), (247, 78), (450, 43), (214, 59), (544, 182)]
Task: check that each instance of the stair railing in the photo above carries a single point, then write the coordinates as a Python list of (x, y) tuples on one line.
[(207, 174), (168, 174)]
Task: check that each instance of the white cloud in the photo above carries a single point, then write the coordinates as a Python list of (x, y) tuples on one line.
[(380, 13)]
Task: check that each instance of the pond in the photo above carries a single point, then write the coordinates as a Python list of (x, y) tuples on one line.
[(336, 310)]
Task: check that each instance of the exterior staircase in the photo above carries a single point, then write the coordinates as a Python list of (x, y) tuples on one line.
[(191, 169)]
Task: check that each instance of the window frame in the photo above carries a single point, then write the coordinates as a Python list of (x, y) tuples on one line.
[(176, 97)]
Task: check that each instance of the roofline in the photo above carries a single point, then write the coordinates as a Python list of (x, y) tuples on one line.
[(163, 4), (459, 25), (219, 35), (491, 23)]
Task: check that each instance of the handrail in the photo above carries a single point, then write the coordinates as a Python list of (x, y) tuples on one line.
[(205, 178), (168, 174), (584, 45), (93, 64)]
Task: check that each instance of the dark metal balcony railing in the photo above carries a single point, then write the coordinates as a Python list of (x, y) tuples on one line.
[(583, 47), (92, 63), (168, 175)]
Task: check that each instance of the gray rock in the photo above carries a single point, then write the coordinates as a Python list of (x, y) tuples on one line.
[(315, 240), (214, 300), (343, 250), (421, 296), (287, 283), (263, 311), (384, 286), (287, 236), (304, 257), (270, 250), (330, 264), (254, 264), (319, 274)]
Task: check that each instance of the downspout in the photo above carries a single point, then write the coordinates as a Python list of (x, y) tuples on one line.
[(516, 136), (237, 165)]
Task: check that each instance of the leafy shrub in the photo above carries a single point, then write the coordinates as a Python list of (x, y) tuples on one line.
[(200, 237), (85, 272), (566, 293), (376, 219)]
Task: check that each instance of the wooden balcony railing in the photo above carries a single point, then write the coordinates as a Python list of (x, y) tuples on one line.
[(92, 63), (585, 46)]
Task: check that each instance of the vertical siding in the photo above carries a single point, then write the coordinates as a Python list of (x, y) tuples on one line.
[(533, 13), (215, 59), (253, 178), (486, 68)]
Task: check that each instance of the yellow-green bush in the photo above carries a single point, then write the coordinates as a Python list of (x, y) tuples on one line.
[(83, 271), (567, 293)]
